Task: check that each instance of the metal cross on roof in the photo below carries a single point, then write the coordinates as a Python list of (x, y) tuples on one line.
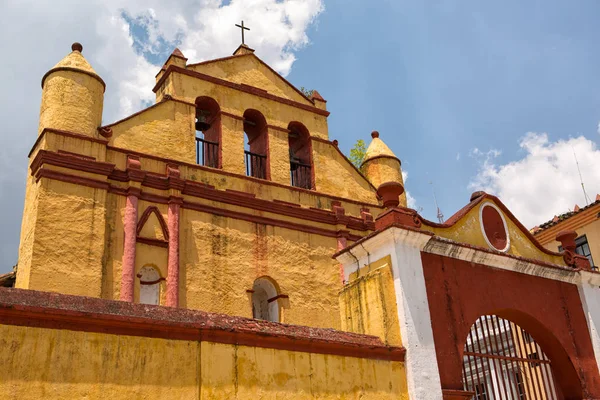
[(242, 27)]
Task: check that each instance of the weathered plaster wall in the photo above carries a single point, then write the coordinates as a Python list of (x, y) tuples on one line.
[(71, 101), (56, 364), (164, 130), (249, 70), (368, 303), (68, 233), (335, 175), (221, 258)]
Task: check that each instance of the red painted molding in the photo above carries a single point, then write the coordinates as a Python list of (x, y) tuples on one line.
[(58, 311), (161, 221), (70, 161), (243, 88), (66, 134), (279, 296), (240, 176), (193, 206), (152, 242)]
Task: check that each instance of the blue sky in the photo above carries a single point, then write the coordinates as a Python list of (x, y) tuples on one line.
[(469, 94)]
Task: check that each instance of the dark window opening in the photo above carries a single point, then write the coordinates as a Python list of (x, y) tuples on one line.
[(256, 144), (301, 174), (208, 132)]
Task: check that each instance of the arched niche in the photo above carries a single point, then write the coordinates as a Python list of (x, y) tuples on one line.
[(300, 149), (149, 285), (208, 132), (256, 144), (264, 300)]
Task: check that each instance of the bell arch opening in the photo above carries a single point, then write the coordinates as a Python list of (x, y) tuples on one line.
[(264, 300), (501, 360), (208, 132), (301, 170), (256, 144)]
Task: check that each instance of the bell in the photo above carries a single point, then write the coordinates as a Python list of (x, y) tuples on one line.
[(202, 120)]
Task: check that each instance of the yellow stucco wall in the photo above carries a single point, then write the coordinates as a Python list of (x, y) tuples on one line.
[(368, 303), (60, 364), (164, 130), (71, 101), (468, 230), (249, 70), (67, 227)]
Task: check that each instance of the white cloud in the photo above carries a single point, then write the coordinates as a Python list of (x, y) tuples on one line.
[(411, 201), (545, 181)]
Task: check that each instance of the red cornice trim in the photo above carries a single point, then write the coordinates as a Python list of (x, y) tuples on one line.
[(345, 158), (152, 242), (74, 70), (64, 133), (67, 160), (243, 88), (161, 221), (57, 311), (60, 176), (255, 180), (191, 188)]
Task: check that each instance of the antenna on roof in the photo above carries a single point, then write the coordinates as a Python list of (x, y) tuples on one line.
[(440, 216), (587, 199)]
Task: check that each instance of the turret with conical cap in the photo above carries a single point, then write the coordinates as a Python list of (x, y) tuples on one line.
[(381, 166), (72, 96)]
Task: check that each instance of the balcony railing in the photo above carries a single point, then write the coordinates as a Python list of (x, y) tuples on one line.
[(207, 153), (256, 165), (300, 174)]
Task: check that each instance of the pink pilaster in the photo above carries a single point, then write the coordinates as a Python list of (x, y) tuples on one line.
[(130, 227), (173, 267)]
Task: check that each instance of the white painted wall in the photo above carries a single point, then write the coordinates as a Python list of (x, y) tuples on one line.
[(590, 299), (422, 373)]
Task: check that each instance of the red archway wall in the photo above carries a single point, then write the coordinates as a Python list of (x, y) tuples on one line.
[(459, 292)]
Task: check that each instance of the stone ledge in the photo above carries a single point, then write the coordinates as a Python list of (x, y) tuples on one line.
[(59, 311)]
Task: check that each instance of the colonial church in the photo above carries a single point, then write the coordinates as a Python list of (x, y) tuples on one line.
[(219, 245)]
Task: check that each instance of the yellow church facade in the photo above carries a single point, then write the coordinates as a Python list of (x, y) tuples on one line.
[(218, 245)]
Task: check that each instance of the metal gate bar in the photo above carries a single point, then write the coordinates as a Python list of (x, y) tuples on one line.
[(501, 361)]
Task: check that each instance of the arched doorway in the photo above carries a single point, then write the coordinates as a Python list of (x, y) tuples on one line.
[(149, 285), (503, 361)]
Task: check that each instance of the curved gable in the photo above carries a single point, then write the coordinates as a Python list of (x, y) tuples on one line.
[(486, 222)]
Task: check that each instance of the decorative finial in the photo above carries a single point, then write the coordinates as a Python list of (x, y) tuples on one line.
[(374, 134), (242, 27), (77, 47)]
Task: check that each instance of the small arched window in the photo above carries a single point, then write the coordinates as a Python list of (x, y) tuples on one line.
[(256, 144), (264, 300), (301, 173), (208, 132), (149, 285)]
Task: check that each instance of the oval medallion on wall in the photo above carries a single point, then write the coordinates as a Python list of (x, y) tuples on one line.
[(493, 227)]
